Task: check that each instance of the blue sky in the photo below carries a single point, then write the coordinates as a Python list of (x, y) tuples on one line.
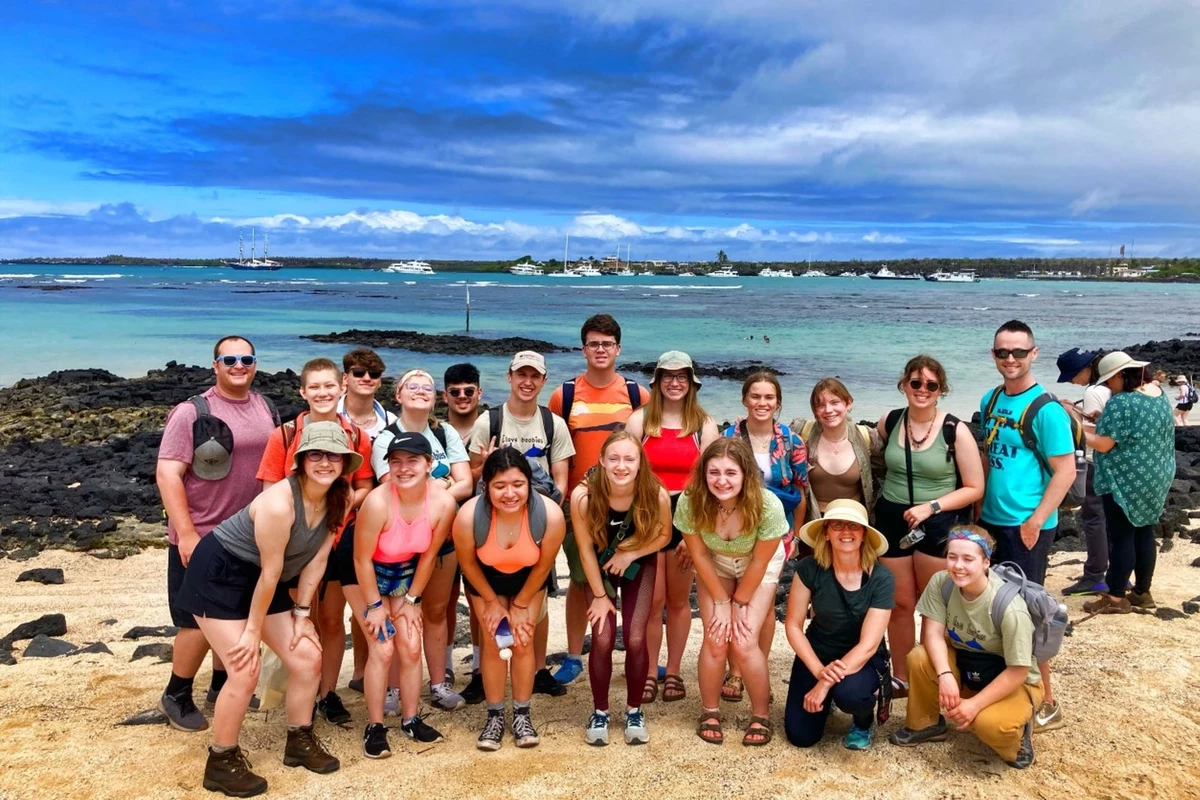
[(781, 129)]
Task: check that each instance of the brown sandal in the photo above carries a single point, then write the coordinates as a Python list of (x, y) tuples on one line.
[(763, 732), (673, 689), (710, 722), (733, 688), (649, 691)]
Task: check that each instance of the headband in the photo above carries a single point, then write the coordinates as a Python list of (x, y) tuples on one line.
[(964, 535), (404, 378)]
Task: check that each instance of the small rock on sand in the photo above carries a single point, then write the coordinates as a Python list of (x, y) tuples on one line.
[(46, 575), (151, 716), (147, 632), (46, 625), (160, 650), (44, 646)]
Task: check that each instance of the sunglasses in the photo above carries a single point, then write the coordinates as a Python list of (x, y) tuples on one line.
[(358, 372), (317, 456), (467, 392), (229, 361), (419, 388), (1002, 353), (601, 346), (930, 386)]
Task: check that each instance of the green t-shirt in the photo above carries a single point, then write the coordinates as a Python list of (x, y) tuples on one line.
[(969, 624), (772, 525), (835, 630)]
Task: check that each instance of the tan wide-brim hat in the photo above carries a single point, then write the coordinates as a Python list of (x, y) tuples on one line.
[(850, 511), (1114, 362), (331, 438)]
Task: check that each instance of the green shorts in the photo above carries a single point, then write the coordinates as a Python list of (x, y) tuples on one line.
[(574, 565)]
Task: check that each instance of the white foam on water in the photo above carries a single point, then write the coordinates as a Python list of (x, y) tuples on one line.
[(11, 275), (1019, 294), (977, 308), (668, 295), (70, 280), (96, 277), (410, 283)]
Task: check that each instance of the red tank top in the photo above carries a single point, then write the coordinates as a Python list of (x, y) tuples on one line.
[(672, 457), (402, 540)]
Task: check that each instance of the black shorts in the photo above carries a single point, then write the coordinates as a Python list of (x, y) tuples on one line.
[(175, 572), (676, 534), (1010, 548), (889, 519), (342, 559), (504, 584), (219, 585), (1184, 406)]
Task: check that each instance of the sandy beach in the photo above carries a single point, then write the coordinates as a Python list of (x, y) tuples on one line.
[(1130, 688)]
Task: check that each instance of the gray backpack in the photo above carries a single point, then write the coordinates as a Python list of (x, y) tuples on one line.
[(1049, 616), (483, 518)]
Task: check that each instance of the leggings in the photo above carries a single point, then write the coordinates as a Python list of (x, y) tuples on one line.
[(637, 596), (1130, 549)]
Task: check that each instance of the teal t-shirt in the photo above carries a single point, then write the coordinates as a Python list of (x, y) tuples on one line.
[(1015, 479), (1139, 470)]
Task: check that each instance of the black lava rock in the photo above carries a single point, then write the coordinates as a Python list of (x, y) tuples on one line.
[(43, 646), (147, 632), (160, 650), (150, 716), (46, 575), (444, 344), (730, 371), (94, 647), (1168, 614), (46, 625)]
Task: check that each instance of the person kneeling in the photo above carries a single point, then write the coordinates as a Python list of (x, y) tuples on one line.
[(841, 657), (987, 679)]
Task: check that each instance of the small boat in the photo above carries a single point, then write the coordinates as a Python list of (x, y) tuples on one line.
[(814, 273), (724, 272), (587, 271), (964, 276), (527, 270), (686, 275), (410, 268), (849, 274), (647, 273), (885, 274), (625, 272), (263, 264), (768, 272)]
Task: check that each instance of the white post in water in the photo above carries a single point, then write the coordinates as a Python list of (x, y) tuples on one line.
[(468, 309)]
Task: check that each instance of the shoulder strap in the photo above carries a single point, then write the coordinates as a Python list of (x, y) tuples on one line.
[(1025, 427), (482, 522), (495, 424), (537, 517), (1006, 593), (991, 403), (568, 399), (889, 424), (947, 588), (271, 407), (806, 429), (635, 393), (201, 404), (741, 430), (439, 433), (846, 601), (548, 427), (291, 429)]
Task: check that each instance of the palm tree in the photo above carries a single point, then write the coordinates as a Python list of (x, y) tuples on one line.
[(722, 258)]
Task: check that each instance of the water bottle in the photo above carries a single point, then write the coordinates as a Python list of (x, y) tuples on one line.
[(912, 537), (1061, 617), (504, 639)]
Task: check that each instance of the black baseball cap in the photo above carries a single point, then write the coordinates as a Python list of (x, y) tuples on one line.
[(410, 442)]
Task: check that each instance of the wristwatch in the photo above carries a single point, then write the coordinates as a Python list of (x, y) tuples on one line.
[(935, 506), (412, 601)]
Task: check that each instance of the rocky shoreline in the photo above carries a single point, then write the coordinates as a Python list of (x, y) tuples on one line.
[(78, 450), (443, 344), (732, 371)]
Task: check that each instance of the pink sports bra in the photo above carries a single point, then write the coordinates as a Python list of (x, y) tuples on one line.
[(402, 540)]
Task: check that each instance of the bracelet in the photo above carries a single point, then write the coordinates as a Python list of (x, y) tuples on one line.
[(737, 602), (515, 604), (947, 672), (372, 606), (301, 611), (721, 602)]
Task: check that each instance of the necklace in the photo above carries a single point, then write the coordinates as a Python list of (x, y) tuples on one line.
[(836, 445), (912, 438), (726, 513)]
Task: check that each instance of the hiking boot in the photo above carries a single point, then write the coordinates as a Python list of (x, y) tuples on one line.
[(210, 699), (493, 731), (472, 693), (375, 741), (330, 707), (229, 773), (907, 737), (391, 703), (182, 714), (1141, 600), (418, 731), (545, 683), (1048, 717), (1025, 754), (635, 727), (1105, 604), (571, 669), (304, 749), (1085, 586), (444, 697), (596, 732), (858, 738), (523, 730)]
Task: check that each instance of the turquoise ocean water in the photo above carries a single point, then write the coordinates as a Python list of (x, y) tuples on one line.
[(129, 320)]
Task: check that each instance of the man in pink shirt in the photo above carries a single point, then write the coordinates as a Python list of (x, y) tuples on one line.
[(205, 474)]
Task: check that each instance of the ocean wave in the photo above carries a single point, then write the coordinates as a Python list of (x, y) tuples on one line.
[(96, 277), (10, 275), (980, 308), (70, 280), (1019, 294), (668, 295)]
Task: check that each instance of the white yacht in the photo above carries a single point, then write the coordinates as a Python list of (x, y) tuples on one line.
[(527, 270), (724, 272), (263, 264), (768, 272), (814, 273), (587, 271), (410, 268), (849, 274), (885, 274), (625, 272), (686, 275), (963, 276)]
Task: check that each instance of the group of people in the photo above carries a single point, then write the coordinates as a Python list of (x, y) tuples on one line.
[(392, 514)]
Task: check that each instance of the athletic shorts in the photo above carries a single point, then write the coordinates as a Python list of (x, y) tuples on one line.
[(219, 585), (175, 572), (734, 567), (1009, 547), (343, 559)]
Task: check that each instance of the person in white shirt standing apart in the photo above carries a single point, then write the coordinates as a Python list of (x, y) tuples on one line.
[(1185, 400)]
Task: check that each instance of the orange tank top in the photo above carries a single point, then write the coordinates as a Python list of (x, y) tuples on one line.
[(523, 553)]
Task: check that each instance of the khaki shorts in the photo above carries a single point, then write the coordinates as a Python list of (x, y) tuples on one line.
[(734, 567)]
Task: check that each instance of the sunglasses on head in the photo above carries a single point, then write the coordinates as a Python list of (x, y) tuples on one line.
[(930, 386), (1017, 352), (229, 361), (358, 372), (468, 391)]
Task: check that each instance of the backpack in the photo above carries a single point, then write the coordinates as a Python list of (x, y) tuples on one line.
[(790, 496), (949, 436), (483, 518), (568, 396), (212, 439), (543, 483), (1192, 395), (1024, 427), (1049, 616)]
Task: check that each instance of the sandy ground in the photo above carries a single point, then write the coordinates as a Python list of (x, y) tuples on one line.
[(1130, 687)]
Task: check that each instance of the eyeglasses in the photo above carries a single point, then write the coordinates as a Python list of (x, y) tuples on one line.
[(317, 456), (468, 392), (229, 361), (675, 377), (358, 372), (843, 525), (419, 388), (606, 346), (930, 386), (1002, 353)]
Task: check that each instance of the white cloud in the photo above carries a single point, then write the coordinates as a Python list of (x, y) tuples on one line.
[(1095, 200), (875, 237), (21, 207)]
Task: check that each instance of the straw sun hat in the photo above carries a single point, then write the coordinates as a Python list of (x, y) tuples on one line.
[(850, 511)]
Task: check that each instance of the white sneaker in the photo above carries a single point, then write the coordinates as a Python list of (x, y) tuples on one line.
[(445, 698), (596, 732), (391, 703), (635, 727)]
